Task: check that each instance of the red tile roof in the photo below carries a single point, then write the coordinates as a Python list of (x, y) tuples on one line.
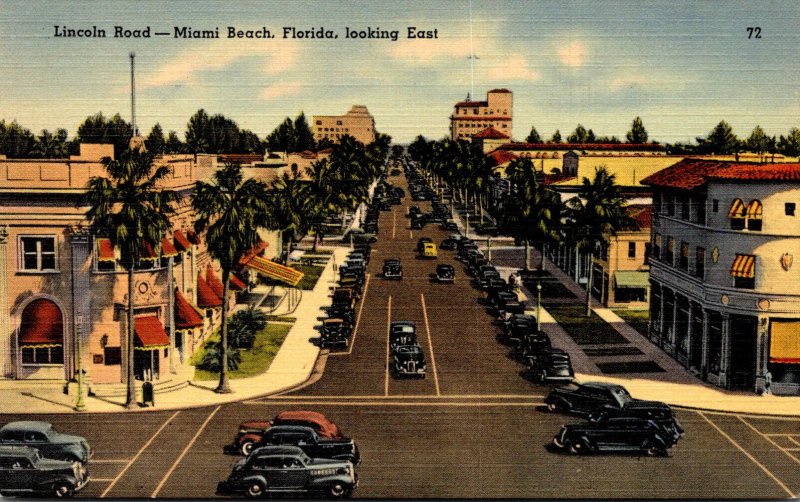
[(150, 332), (550, 179), (490, 133), (472, 103), (503, 90), (642, 214), (652, 147), (689, 174), (500, 157), (206, 298), (41, 324), (186, 316)]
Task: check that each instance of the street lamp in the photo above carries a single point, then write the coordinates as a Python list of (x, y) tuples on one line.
[(79, 404), (489, 248), (538, 306)]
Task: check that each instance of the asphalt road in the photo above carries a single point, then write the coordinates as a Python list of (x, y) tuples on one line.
[(472, 429)]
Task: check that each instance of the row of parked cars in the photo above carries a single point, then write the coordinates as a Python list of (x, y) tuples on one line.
[(35, 459), (297, 451)]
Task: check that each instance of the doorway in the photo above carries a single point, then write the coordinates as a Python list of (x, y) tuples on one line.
[(743, 352)]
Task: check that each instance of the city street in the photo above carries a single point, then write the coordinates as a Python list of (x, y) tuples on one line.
[(473, 428)]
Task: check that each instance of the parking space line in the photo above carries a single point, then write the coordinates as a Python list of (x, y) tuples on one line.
[(101, 480), (430, 343), (793, 440), (138, 454), (751, 457), (183, 453), (383, 402), (115, 461), (388, 334), (415, 396), (358, 321), (776, 445), (410, 234)]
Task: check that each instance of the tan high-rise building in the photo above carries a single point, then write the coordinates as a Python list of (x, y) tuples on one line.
[(472, 117), (357, 123)]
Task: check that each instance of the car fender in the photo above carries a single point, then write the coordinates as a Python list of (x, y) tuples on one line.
[(254, 478), (255, 438), (322, 482)]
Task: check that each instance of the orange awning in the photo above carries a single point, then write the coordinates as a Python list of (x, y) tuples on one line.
[(105, 250), (737, 209), (167, 249), (181, 242), (41, 325), (275, 270), (237, 283), (192, 236), (744, 266), (150, 333), (148, 253), (755, 210), (784, 342), (213, 281), (186, 316), (206, 298)]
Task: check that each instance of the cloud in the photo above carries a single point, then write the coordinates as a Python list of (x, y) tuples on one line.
[(572, 54), (280, 90), (512, 67)]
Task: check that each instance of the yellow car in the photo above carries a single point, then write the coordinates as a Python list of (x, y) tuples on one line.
[(429, 250)]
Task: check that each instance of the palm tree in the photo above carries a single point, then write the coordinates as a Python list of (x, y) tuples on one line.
[(230, 210), (288, 203), (597, 213), (130, 209)]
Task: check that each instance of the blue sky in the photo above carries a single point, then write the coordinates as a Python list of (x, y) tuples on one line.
[(681, 66)]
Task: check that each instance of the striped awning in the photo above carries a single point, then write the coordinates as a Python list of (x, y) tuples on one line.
[(737, 209), (105, 250), (275, 270), (755, 210), (167, 249), (181, 242), (150, 333), (744, 266), (784, 342)]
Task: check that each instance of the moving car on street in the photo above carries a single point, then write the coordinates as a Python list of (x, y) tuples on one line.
[(392, 269), (616, 434), (286, 469), (587, 398), (429, 250), (408, 361), (312, 444), (49, 442), (445, 273), (24, 471), (402, 333), (658, 412), (250, 432)]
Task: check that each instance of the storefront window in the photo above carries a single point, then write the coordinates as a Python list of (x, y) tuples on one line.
[(714, 342)]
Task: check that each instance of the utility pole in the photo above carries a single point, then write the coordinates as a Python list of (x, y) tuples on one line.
[(133, 95)]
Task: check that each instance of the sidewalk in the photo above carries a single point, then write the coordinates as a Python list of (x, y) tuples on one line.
[(674, 385), (295, 363)]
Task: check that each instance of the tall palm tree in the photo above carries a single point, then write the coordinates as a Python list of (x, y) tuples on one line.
[(288, 206), (230, 210), (597, 213), (129, 208)]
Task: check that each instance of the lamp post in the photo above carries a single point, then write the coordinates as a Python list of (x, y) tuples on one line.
[(538, 306), (79, 404), (489, 248)]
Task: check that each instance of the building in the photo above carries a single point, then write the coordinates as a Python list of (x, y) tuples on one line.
[(490, 139), (471, 117), (357, 123), (62, 289), (725, 297)]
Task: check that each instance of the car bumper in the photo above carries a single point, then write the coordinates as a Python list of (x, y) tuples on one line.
[(557, 443)]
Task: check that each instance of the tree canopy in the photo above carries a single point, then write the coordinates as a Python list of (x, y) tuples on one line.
[(533, 136), (291, 136), (637, 134)]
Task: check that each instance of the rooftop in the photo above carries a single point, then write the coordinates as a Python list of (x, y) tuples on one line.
[(650, 147), (490, 133), (692, 173)]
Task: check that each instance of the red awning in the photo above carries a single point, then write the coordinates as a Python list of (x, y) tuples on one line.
[(167, 249), (237, 283), (254, 251), (148, 253), (186, 316), (42, 325), (150, 334), (192, 236), (213, 281), (206, 298), (181, 242), (105, 250)]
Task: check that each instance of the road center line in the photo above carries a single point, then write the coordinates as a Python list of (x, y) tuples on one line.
[(388, 334), (183, 453), (430, 344), (776, 445), (394, 222), (751, 457), (143, 448)]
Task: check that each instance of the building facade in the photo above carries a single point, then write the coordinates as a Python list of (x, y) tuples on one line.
[(471, 117), (357, 123), (725, 296)]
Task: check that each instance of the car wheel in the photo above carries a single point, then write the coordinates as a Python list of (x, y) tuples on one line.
[(542, 377), (255, 490), (577, 448), (653, 449), (553, 407), (337, 490), (63, 490), (247, 447)]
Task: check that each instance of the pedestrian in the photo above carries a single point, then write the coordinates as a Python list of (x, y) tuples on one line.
[(512, 282), (767, 382)]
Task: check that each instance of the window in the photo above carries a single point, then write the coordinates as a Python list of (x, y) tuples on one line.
[(657, 246), (684, 201), (647, 251), (319, 122), (669, 201), (112, 356), (700, 263), (631, 250), (700, 215), (338, 122), (670, 255), (38, 254), (743, 271), (789, 208), (43, 355), (755, 212), (715, 205), (683, 263), (736, 215), (657, 203)]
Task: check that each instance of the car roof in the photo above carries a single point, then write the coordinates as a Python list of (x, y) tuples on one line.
[(310, 416), (391, 260), (444, 265), (278, 450), (290, 428), (602, 385), (647, 404), (409, 349), (27, 425)]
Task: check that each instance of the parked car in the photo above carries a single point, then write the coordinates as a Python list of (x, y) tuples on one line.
[(445, 273), (23, 471), (551, 365), (495, 284), (392, 269), (616, 434), (506, 303), (418, 221), (530, 344), (344, 297), (402, 333), (286, 469), (449, 225), (448, 244), (656, 411), (312, 444), (50, 443), (335, 333), (412, 210), (250, 432), (359, 235), (485, 275), (408, 361), (587, 398), (429, 250)]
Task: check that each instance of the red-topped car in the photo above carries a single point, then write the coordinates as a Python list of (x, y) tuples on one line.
[(251, 432)]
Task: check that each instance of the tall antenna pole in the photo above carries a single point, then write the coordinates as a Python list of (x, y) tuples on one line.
[(471, 52), (133, 95)]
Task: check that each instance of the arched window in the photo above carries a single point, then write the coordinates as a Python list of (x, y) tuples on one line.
[(754, 213), (41, 333), (736, 215)]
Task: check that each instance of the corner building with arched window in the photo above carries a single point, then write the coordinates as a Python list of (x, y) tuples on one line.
[(725, 291)]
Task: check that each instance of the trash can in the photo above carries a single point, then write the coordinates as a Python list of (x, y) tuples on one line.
[(148, 394)]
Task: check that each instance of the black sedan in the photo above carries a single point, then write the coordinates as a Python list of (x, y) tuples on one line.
[(392, 269), (551, 365), (445, 273), (618, 434), (587, 398)]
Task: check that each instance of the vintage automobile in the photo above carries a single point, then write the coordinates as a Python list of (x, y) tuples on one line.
[(312, 444), (587, 398), (286, 469), (24, 471), (412, 210), (355, 263), (551, 365), (448, 244), (421, 243), (616, 434), (408, 361), (344, 297), (392, 269), (506, 303), (658, 412), (335, 333), (418, 221), (449, 225), (529, 344), (359, 235), (495, 284), (43, 437), (484, 276), (402, 333), (250, 432), (445, 273), (429, 251)]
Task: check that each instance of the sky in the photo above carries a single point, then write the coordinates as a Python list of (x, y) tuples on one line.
[(681, 66)]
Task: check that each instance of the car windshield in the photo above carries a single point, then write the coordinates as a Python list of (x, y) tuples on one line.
[(621, 394)]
